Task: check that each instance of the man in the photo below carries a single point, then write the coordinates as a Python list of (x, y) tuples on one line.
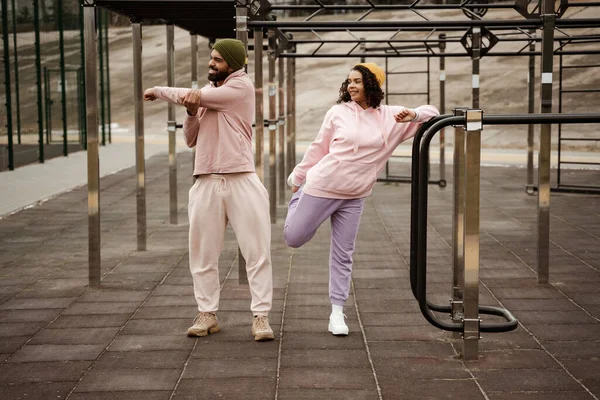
[(227, 189)]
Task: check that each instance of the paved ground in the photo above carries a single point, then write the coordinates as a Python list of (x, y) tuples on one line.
[(127, 340)]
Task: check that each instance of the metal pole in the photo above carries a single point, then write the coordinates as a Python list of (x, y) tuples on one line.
[(272, 127), (363, 50), (241, 33), (293, 119), (172, 126), (476, 48), (47, 104), (289, 146), (442, 47), (83, 79), (38, 77), (16, 66), (63, 89), (259, 112), (458, 218), (194, 47), (100, 15), (471, 239), (9, 132), (281, 167), (549, 21), (531, 94), (108, 116), (140, 160), (91, 93)]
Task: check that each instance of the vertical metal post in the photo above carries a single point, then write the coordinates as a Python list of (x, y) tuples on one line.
[(272, 56), (531, 110), (442, 47), (471, 238), (476, 48), (108, 116), (63, 88), (241, 34), (82, 85), (363, 50), (281, 165), (93, 167), (259, 112), (47, 104), (11, 162), (293, 118), (16, 66), (100, 15), (288, 91), (458, 219), (172, 126), (140, 160), (194, 48), (38, 78), (549, 20)]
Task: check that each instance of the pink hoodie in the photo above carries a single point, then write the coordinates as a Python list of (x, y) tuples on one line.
[(222, 128), (351, 149)]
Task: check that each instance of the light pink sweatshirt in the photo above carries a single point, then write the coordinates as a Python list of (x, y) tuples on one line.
[(222, 128), (352, 147)]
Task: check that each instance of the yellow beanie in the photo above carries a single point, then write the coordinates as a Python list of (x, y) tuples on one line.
[(376, 70)]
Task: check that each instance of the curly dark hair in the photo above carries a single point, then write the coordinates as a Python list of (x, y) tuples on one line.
[(373, 91)]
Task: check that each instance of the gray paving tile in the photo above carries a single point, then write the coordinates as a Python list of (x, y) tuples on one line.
[(412, 333), (114, 296), (430, 389), (36, 304), (51, 352), (45, 315), (410, 349), (17, 373), (244, 388), (89, 321), (76, 336), (100, 380), (232, 368), (167, 359), (205, 349), (151, 342), (324, 358), (513, 359), (10, 329), (566, 332), (152, 326), (558, 395), (295, 340), (122, 395), (101, 308), (327, 378), (36, 391), (573, 350), (526, 380)]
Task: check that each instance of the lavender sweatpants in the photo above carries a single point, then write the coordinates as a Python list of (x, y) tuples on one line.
[(306, 213)]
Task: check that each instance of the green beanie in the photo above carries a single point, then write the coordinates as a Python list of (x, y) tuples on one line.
[(233, 51)]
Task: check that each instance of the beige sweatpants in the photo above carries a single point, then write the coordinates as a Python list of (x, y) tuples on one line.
[(242, 200)]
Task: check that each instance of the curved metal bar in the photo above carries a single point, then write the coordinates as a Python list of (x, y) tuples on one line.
[(421, 236)]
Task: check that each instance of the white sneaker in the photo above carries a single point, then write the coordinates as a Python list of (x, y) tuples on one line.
[(337, 325)]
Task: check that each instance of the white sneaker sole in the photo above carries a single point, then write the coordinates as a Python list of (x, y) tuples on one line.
[(339, 331)]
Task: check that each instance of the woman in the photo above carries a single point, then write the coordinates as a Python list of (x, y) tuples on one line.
[(339, 170)]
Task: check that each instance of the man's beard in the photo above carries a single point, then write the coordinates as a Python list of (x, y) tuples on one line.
[(219, 76)]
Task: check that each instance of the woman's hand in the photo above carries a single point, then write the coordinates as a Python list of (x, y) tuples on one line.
[(191, 101), (295, 189), (149, 95), (406, 115)]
